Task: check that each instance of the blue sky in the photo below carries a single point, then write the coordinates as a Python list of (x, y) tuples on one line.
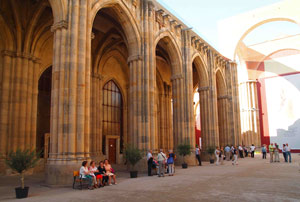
[(203, 16)]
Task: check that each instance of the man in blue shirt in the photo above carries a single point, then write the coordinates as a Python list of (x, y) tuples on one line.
[(227, 152)]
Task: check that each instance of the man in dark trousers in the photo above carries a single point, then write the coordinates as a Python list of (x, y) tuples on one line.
[(150, 162), (198, 152)]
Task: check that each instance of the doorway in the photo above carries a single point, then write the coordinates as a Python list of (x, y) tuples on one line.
[(112, 148), (43, 109)]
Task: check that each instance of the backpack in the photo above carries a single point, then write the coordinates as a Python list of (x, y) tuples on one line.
[(170, 160)]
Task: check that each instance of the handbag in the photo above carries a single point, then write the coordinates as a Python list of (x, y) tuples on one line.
[(112, 170)]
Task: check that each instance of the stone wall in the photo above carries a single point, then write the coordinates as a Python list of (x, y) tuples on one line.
[(141, 46)]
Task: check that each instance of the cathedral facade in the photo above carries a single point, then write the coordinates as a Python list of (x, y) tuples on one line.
[(81, 79)]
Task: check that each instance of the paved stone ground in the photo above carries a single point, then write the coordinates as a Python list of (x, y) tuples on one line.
[(251, 180)]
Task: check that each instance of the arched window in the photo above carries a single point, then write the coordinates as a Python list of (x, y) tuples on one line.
[(112, 113)]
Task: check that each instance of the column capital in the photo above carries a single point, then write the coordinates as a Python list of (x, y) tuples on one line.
[(134, 3), (134, 58), (223, 97), (26, 56), (59, 25), (151, 6), (36, 60), (205, 88), (8, 53), (177, 77), (97, 76)]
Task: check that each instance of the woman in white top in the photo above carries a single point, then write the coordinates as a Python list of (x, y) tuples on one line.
[(93, 169), (252, 149), (85, 173)]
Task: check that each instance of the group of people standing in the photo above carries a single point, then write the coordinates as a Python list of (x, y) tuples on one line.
[(232, 153), (162, 163), (274, 151)]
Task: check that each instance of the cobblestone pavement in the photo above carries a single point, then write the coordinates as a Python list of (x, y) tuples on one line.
[(251, 180)]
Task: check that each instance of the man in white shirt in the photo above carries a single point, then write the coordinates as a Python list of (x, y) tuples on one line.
[(150, 162), (241, 151), (288, 152), (161, 158), (197, 151)]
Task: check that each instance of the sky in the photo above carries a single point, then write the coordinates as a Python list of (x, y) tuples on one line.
[(204, 15)]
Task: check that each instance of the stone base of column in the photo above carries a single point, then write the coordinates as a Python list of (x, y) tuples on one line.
[(207, 157), (141, 166), (5, 170), (61, 173), (190, 160), (2, 167)]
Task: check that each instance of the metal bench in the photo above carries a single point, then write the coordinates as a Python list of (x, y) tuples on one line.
[(82, 182)]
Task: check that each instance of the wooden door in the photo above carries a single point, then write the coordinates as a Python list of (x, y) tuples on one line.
[(112, 143)]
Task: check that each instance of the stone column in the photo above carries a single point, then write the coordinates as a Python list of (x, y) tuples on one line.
[(18, 101), (189, 119), (153, 141), (70, 94), (212, 137), (249, 113), (170, 119), (222, 119), (5, 99), (178, 110), (135, 102), (34, 106), (233, 121), (96, 113), (204, 114)]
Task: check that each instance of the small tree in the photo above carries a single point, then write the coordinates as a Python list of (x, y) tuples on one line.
[(132, 155), (184, 150), (210, 150), (20, 161)]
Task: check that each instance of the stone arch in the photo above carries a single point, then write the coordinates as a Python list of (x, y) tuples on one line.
[(173, 50), (124, 97), (242, 24), (59, 10), (222, 108), (221, 84), (201, 70), (258, 24), (32, 24), (127, 21), (258, 73), (117, 55), (102, 57), (6, 35)]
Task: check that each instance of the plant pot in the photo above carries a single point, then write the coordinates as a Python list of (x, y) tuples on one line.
[(133, 174), (212, 161), (22, 193), (184, 165)]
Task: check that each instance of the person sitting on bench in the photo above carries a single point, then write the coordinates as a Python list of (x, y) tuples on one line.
[(85, 174)]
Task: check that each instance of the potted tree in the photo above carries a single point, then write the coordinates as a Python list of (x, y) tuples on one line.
[(184, 150), (211, 151), (132, 155), (20, 161)]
